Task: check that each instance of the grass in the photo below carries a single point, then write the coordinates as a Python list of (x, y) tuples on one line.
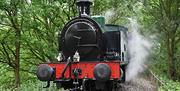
[(32, 86), (169, 85)]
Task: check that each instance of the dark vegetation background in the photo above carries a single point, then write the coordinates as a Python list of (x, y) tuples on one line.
[(29, 30)]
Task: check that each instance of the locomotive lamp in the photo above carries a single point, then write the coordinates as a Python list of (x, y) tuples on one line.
[(84, 7)]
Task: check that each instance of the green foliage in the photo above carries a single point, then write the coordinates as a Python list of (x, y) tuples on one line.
[(36, 86), (39, 23), (32, 85), (165, 13), (41, 20), (169, 85)]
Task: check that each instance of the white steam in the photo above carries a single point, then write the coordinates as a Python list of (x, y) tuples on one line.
[(139, 49), (29, 1), (109, 14)]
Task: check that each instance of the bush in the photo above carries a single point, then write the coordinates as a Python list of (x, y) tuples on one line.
[(32, 86), (169, 85)]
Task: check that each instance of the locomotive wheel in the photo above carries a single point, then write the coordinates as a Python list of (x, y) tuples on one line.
[(90, 86), (124, 74)]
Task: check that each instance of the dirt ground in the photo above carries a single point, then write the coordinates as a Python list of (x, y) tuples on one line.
[(139, 84)]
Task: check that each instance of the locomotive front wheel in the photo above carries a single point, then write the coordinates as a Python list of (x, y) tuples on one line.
[(109, 86)]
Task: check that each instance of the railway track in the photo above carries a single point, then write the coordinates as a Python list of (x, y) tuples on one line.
[(146, 82), (139, 84)]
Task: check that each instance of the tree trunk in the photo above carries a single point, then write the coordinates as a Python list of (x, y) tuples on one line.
[(171, 58), (17, 58), (17, 77)]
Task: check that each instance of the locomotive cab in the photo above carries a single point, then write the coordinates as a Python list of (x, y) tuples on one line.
[(115, 41)]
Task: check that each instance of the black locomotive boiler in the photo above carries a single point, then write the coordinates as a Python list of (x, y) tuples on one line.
[(92, 54)]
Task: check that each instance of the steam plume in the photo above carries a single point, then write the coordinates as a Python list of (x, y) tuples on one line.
[(138, 48)]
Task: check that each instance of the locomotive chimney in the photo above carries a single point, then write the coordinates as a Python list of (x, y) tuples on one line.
[(84, 7)]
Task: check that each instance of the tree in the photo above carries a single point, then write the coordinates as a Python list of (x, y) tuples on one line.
[(29, 32), (11, 23), (166, 14)]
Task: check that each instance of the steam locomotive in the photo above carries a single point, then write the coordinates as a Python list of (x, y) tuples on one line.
[(93, 55)]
